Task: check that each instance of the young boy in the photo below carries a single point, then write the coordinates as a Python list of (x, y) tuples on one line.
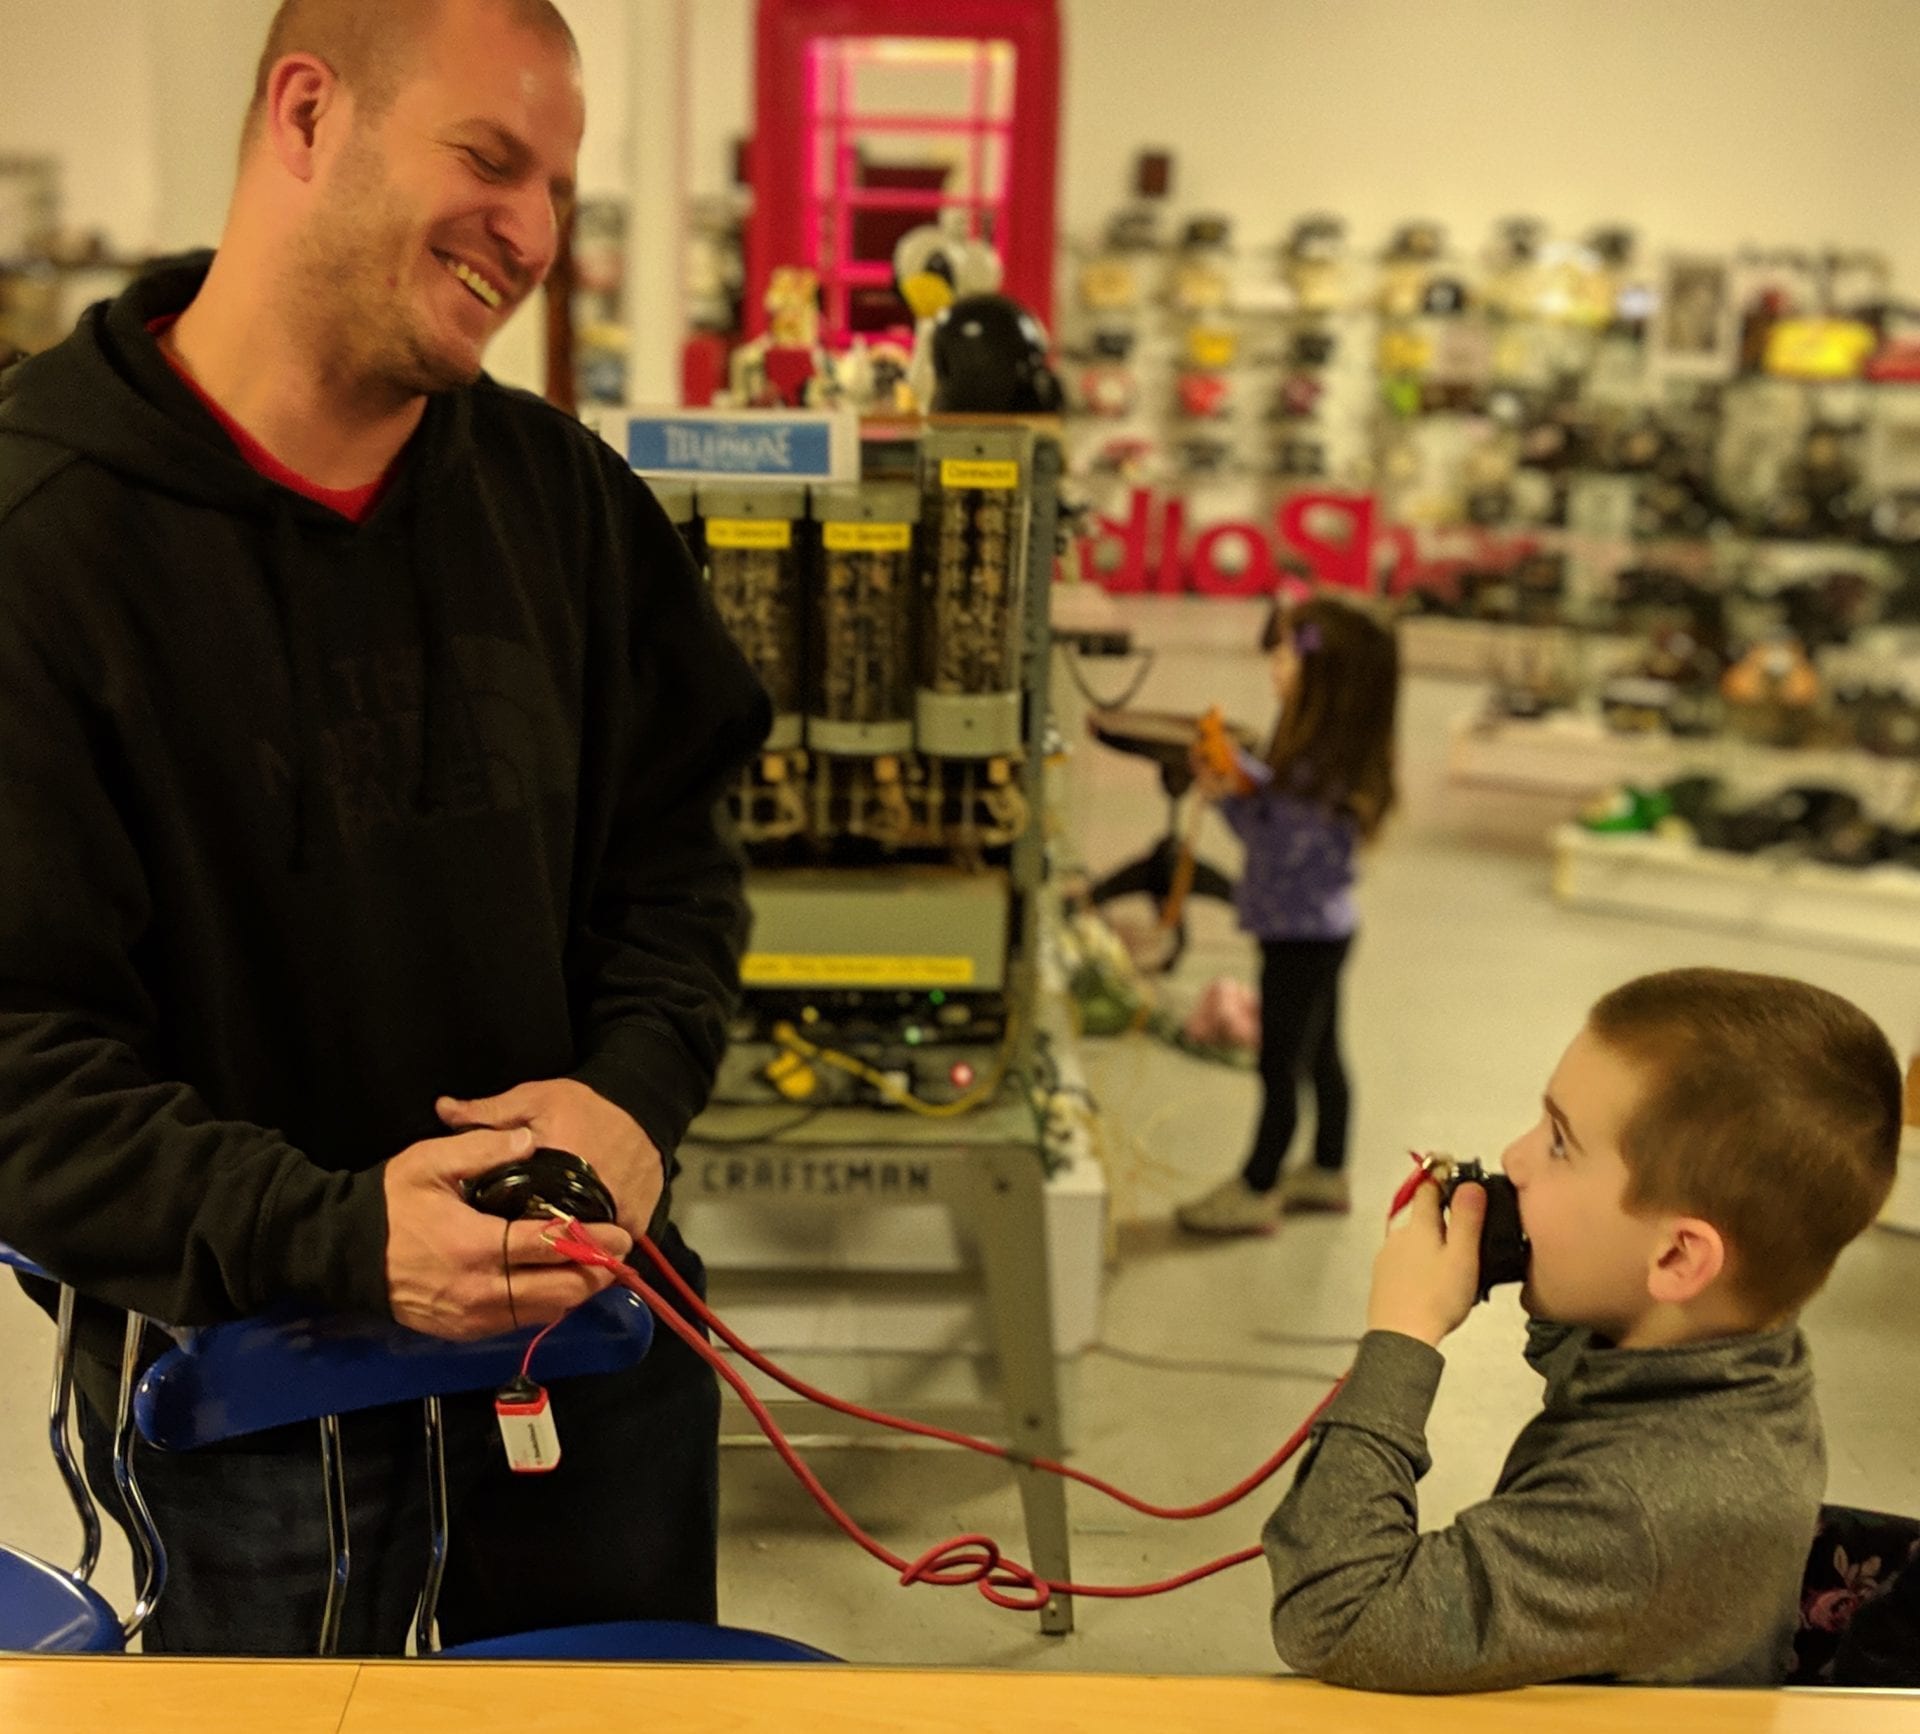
[(1710, 1141)]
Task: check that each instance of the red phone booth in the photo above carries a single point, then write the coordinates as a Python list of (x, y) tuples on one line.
[(875, 116)]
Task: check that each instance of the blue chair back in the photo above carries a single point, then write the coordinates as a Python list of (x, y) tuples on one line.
[(226, 1381), (43, 1608), (17, 1260)]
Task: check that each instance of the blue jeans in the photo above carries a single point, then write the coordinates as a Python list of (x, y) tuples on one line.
[(625, 1527)]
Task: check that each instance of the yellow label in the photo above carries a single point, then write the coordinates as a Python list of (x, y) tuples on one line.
[(749, 533), (853, 969), (1818, 348), (867, 538), (978, 473)]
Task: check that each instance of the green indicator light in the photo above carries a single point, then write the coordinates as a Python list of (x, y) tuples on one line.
[(937, 997)]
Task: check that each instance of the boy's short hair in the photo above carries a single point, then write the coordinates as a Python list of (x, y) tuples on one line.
[(1772, 1110)]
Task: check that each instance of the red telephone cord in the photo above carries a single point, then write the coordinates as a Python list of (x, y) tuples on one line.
[(962, 1559)]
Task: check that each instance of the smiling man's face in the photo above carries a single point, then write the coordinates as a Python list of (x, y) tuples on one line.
[(436, 219)]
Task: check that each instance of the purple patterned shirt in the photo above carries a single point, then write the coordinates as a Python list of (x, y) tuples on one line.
[(1298, 879)]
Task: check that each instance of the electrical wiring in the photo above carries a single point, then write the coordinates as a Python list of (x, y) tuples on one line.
[(961, 1560), (786, 1036), (1127, 693), (792, 1123), (526, 1360)]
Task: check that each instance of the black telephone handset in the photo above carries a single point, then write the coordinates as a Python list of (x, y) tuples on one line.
[(1504, 1250), (555, 1177)]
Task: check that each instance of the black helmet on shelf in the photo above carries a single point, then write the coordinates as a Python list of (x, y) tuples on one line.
[(990, 358)]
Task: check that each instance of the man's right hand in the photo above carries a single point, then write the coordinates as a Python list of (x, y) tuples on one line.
[(447, 1263)]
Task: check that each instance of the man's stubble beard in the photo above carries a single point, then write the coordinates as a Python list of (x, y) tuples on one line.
[(364, 331)]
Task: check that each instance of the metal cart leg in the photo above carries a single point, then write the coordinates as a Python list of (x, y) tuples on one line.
[(1010, 1219)]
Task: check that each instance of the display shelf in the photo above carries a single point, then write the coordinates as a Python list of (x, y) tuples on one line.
[(1671, 878), (1573, 754), (1562, 754), (1490, 649)]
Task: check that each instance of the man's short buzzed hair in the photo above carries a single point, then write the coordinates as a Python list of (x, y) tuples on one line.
[(370, 44)]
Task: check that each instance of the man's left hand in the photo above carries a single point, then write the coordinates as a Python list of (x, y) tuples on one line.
[(565, 1114)]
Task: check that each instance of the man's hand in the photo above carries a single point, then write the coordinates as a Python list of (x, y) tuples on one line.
[(448, 1264), (563, 1114), (1426, 1276)]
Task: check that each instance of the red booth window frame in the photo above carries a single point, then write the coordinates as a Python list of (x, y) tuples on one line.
[(786, 225)]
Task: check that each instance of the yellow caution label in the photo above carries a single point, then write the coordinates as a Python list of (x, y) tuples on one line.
[(749, 533), (1818, 348), (852, 969), (979, 473), (864, 538)]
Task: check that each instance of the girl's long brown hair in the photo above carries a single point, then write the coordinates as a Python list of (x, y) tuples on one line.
[(1334, 742)]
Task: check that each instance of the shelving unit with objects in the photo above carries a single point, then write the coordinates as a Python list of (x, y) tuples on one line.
[(1672, 878)]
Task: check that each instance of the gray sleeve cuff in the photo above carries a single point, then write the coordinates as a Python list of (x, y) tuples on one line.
[(1389, 1393)]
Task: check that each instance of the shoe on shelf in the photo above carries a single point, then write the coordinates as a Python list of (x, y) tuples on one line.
[(1313, 1188), (1232, 1207)]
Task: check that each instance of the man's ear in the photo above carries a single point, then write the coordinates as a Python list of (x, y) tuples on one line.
[(302, 92), (1687, 1262)]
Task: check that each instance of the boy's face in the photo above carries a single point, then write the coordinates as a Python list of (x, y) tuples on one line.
[(1591, 1258)]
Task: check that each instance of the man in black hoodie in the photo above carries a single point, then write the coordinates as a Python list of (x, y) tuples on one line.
[(362, 725)]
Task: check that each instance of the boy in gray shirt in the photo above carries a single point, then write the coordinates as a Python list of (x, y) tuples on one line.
[(1709, 1143)]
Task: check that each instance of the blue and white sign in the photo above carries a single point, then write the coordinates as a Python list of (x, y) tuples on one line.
[(704, 445)]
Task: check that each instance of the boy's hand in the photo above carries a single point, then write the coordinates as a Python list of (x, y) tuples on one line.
[(1426, 1276)]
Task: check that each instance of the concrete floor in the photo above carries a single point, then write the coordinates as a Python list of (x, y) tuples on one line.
[(1467, 983)]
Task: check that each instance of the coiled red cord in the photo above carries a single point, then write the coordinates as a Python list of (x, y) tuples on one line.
[(962, 1559)]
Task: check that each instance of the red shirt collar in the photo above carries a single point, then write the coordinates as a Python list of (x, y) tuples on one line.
[(353, 504)]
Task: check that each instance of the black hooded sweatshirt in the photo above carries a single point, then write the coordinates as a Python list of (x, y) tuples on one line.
[(303, 824)]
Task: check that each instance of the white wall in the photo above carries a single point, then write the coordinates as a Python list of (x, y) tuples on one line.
[(1704, 122), (201, 76), (75, 83), (720, 89), (143, 100)]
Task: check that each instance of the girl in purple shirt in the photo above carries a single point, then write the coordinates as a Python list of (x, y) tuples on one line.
[(1322, 790)]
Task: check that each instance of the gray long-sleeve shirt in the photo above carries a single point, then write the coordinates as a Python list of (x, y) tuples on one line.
[(1651, 1524)]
